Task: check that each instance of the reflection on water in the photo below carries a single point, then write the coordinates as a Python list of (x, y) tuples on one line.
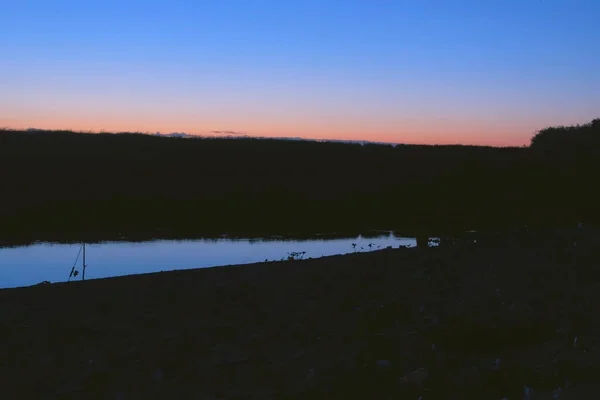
[(22, 266)]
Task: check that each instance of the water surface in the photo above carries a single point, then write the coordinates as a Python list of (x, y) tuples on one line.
[(28, 265)]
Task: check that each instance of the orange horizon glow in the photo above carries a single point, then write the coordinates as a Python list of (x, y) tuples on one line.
[(415, 132)]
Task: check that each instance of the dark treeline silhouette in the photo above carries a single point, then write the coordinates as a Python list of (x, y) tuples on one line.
[(572, 156), (66, 185), (568, 139)]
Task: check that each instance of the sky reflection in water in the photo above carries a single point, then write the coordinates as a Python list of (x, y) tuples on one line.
[(22, 266)]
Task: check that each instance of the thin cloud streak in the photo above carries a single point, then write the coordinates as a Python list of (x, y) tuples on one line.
[(227, 133)]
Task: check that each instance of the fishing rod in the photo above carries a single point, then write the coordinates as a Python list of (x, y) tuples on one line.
[(75, 272), (83, 264)]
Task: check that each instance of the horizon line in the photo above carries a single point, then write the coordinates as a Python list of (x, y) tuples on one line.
[(235, 135)]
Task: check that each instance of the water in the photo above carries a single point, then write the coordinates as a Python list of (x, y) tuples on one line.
[(29, 265)]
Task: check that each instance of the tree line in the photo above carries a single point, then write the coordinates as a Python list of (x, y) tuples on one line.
[(69, 183)]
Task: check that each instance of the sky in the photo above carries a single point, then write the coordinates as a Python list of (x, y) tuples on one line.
[(420, 71)]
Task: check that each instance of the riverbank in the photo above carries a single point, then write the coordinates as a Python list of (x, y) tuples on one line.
[(446, 323)]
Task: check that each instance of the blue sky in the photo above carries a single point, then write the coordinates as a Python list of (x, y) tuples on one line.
[(480, 72)]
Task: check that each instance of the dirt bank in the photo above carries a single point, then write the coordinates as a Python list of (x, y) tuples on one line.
[(402, 323)]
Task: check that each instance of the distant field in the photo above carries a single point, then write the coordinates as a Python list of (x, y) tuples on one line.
[(67, 183)]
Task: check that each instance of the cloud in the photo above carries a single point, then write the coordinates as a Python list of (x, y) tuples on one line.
[(227, 133)]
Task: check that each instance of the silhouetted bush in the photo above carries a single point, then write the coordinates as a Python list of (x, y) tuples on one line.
[(564, 139)]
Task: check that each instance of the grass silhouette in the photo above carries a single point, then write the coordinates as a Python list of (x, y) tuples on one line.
[(69, 185)]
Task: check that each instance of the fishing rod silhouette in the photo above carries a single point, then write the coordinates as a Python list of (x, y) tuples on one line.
[(75, 272)]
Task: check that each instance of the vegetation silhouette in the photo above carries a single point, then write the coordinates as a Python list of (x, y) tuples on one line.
[(65, 185), (563, 139)]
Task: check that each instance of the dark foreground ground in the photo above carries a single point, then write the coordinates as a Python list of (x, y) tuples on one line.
[(447, 323)]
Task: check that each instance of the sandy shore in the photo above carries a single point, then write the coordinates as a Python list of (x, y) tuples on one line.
[(446, 323)]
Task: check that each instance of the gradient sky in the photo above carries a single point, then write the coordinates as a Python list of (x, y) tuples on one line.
[(421, 71)]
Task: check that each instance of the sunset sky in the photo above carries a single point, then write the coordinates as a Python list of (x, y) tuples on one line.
[(420, 71)]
